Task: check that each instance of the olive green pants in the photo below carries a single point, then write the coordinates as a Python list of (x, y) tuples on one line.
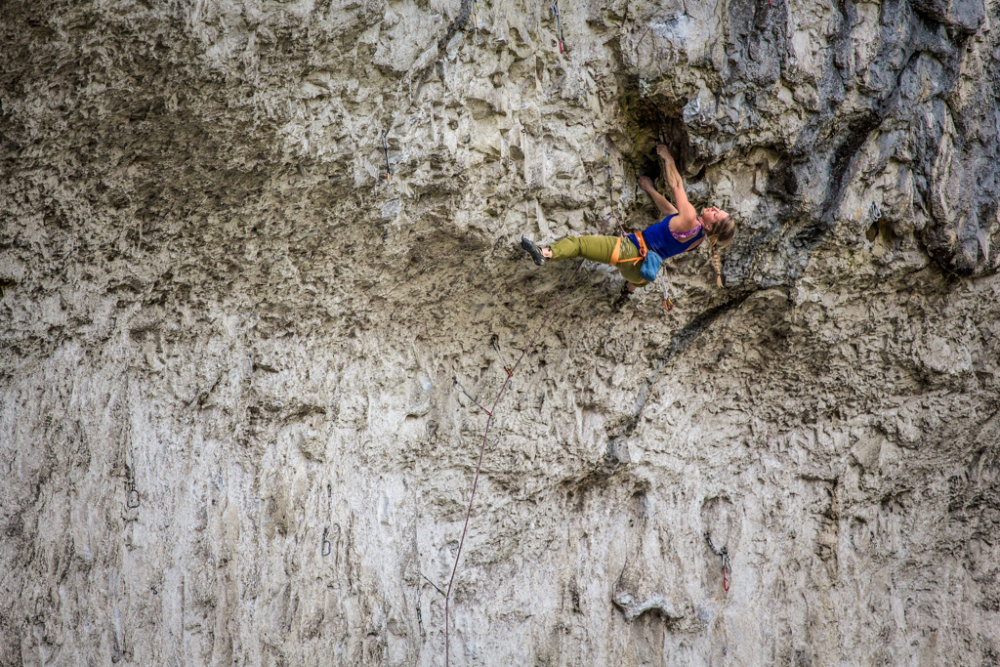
[(599, 249)]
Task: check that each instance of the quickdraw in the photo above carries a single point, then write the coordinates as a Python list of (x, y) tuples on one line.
[(611, 192), (327, 547), (875, 212), (555, 10), (668, 303), (132, 495), (495, 342), (385, 149), (723, 553), (475, 14)]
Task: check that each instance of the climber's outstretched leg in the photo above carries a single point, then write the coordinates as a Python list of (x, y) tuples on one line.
[(596, 249)]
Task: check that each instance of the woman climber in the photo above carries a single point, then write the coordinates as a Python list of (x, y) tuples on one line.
[(681, 230)]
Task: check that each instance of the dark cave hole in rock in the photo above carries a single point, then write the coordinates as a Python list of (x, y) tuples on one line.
[(878, 230), (648, 122), (872, 232)]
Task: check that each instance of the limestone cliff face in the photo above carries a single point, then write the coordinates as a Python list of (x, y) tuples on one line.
[(228, 428)]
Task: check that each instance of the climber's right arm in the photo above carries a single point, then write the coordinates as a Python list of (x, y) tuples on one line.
[(687, 217)]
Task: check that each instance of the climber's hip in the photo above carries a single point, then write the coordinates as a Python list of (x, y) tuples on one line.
[(601, 249)]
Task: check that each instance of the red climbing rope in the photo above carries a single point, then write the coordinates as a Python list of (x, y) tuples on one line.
[(482, 448)]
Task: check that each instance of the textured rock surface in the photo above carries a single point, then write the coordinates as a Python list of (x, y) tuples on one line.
[(213, 295)]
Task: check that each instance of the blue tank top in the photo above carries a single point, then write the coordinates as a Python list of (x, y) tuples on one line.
[(662, 242)]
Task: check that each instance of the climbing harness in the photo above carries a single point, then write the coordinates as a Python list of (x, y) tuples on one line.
[(643, 249), (555, 10), (668, 303), (385, 149), (875, 212), (495, 342), (458, 385), (723, 553)]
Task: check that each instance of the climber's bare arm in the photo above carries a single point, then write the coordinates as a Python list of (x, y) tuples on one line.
[(687, 217), (666, 208)]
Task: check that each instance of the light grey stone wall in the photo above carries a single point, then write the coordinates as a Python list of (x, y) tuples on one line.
[(228, 428)]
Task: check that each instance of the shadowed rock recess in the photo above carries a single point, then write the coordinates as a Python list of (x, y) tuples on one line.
[(228, 337)]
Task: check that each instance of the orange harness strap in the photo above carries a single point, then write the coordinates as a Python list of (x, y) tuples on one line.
[(614, 253), (643, 249)]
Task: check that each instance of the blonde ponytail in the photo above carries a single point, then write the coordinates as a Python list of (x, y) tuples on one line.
[(716, 262), (722, 235)]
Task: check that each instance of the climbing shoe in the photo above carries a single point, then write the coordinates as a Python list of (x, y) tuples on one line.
[(532, 250), (623, 296)]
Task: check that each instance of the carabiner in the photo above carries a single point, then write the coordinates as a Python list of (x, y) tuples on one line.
[(875, 212), (555, 10), (495, 342), (385, 149)]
